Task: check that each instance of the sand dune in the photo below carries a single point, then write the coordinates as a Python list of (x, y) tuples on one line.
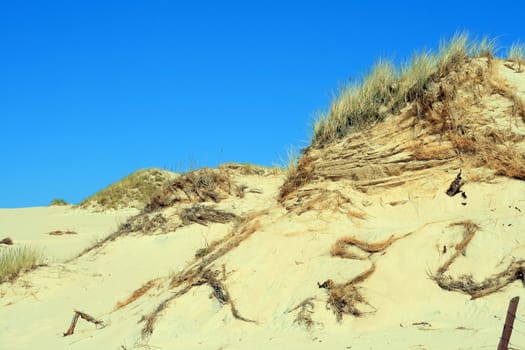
[(164, 281)]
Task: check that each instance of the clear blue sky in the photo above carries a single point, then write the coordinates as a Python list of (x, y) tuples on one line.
[(93, 90)]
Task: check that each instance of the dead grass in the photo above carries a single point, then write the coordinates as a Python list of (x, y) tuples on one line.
[(137, 294), (200, 272), (466, 284), (298, 176), (469, 230), (429, 152), (347, 299), (322, 200), (194, 187), (203, 215), (251, 169), (340, 248), (304, 316)]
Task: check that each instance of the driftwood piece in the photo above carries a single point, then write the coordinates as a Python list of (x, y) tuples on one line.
[(85, 317)]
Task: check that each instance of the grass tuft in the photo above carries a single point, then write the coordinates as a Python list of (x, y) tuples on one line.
[(17, 260), (58, 202), (135, 190), (386, 89), (517, 54)]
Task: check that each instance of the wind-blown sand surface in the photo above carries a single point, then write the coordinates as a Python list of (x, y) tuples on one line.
[(274, 257)]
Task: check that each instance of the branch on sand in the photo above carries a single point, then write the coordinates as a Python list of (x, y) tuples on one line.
[(83, 315)]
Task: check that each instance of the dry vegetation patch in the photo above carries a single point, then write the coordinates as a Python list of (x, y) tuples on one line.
[(304, 316), (203, 215), (201, 272), (194, 187), (340, 247), (346, 298)]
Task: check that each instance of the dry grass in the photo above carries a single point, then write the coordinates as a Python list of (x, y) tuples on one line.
[(322, 200), (469, 230), (429, 152), (200, 272), (252, 169), (304, 316), (465, 284), (346, 298), (296, 177), (356, 214), (137, 293), (17, 260), (194, 187), (340, 248), (203, 215)]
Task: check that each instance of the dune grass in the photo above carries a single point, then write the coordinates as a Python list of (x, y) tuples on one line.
[(517, 54), (18, 260), (58, 202), (135, 190), (386, 89)]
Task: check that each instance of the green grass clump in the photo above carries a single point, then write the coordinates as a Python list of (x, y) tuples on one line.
[(58, 201), (386, 89), (135, 190), (517, 54), (16, 260)]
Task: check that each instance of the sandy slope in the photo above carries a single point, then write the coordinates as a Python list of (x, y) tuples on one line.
[(277, 267)]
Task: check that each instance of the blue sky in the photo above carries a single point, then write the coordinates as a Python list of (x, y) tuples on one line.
[(93, 90)]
